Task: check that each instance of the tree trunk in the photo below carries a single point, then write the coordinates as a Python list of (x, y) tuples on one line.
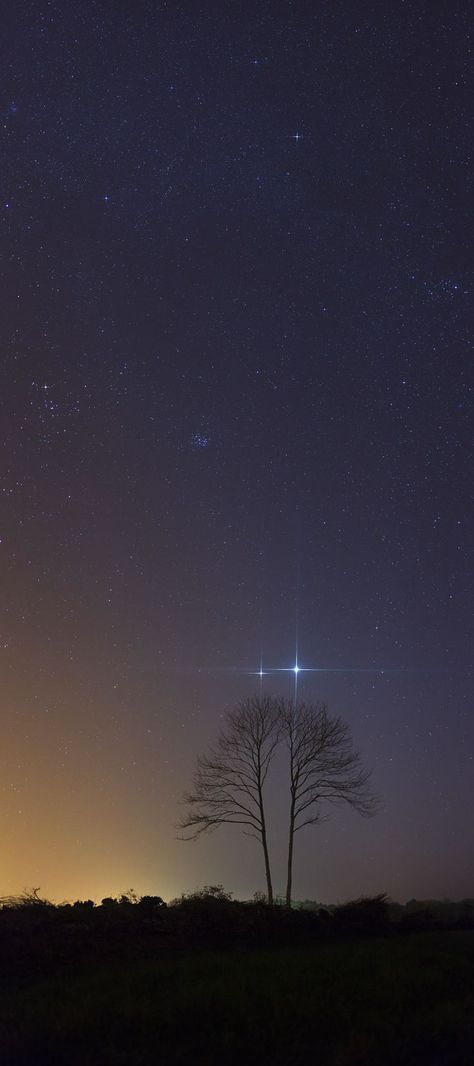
[(267, 866), (290, 852), (263, 833)]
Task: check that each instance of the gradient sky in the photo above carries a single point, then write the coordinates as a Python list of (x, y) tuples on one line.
[(236, 401)]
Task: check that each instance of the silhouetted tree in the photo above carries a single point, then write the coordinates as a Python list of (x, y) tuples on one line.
[(229, 780), (323, 768)]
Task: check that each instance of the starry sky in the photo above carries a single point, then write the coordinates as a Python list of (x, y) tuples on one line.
[(236, 421)]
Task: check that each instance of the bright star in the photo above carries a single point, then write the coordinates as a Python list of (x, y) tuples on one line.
[(296, 670)]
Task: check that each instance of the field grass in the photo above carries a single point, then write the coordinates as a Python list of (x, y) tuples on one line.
[(404, 1001)]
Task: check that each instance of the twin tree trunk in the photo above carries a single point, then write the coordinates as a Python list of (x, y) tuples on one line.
[(291, 834), (229, 781), (267, 861)]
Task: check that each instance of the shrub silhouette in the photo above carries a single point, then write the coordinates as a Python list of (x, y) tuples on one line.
[(109, 903), (151, 903), (367, 915), (84, 905)]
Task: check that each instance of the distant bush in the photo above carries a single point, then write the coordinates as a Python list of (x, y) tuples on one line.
[(151, 903), (29, 898), (367, 916), (209, 895)]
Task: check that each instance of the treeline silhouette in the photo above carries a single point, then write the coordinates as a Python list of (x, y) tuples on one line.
[(33, 930)]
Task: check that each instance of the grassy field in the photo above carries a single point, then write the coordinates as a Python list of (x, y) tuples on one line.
[(391, 1002)]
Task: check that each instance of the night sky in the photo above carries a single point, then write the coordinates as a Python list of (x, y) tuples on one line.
[(236, 414)]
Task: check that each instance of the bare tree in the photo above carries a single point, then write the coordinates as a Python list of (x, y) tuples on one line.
[(229, 780), (323, 768)]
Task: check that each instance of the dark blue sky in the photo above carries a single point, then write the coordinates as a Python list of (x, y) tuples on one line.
[(236, 280)]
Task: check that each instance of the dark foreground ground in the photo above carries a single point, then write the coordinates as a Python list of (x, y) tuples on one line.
[(408, 1000)]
